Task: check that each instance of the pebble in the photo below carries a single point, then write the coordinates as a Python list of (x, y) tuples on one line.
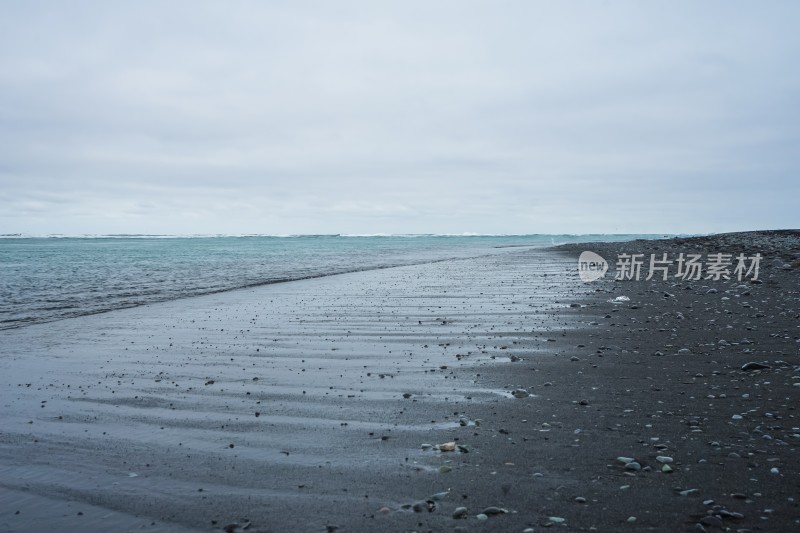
[(419, 507), (492, 511), (580, 499), (631, 519), (664, 459), (666, 469), (736, 417), (712, 521), (520, 393), (236, 528), (754, 366), (482, 517), (460, 512), (633, 465), (774, 470), (556, 519), (626, 460)]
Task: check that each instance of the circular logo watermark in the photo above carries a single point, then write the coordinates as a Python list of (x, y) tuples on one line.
[(591, 266)]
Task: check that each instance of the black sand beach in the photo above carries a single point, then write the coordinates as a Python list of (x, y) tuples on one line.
[(488, 394)]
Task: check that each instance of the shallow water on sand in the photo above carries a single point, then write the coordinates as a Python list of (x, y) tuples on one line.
[(49, 278)]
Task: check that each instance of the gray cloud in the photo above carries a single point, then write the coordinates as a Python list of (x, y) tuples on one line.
[(361, 117)]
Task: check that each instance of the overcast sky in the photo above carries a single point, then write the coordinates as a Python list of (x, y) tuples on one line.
[(399, 117)]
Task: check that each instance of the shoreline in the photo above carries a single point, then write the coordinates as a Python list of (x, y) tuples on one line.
[(338, 444), (182, 271)]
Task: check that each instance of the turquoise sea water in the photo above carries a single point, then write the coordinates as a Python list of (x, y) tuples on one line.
[(49, 278)]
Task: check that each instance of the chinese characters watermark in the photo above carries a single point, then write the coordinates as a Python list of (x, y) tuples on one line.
[(694, 267)]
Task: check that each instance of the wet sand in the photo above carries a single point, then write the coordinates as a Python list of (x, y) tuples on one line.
[(307, 406)]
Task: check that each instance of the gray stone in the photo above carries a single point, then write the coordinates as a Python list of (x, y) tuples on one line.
[(460, 512)]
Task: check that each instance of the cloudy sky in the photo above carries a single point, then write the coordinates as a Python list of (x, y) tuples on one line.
[(399, 117)]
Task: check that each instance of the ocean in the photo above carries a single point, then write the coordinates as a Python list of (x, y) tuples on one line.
[(56, 277)]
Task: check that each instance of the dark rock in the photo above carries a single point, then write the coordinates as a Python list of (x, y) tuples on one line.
[(427, 505), (712, 521), (754, 366)]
